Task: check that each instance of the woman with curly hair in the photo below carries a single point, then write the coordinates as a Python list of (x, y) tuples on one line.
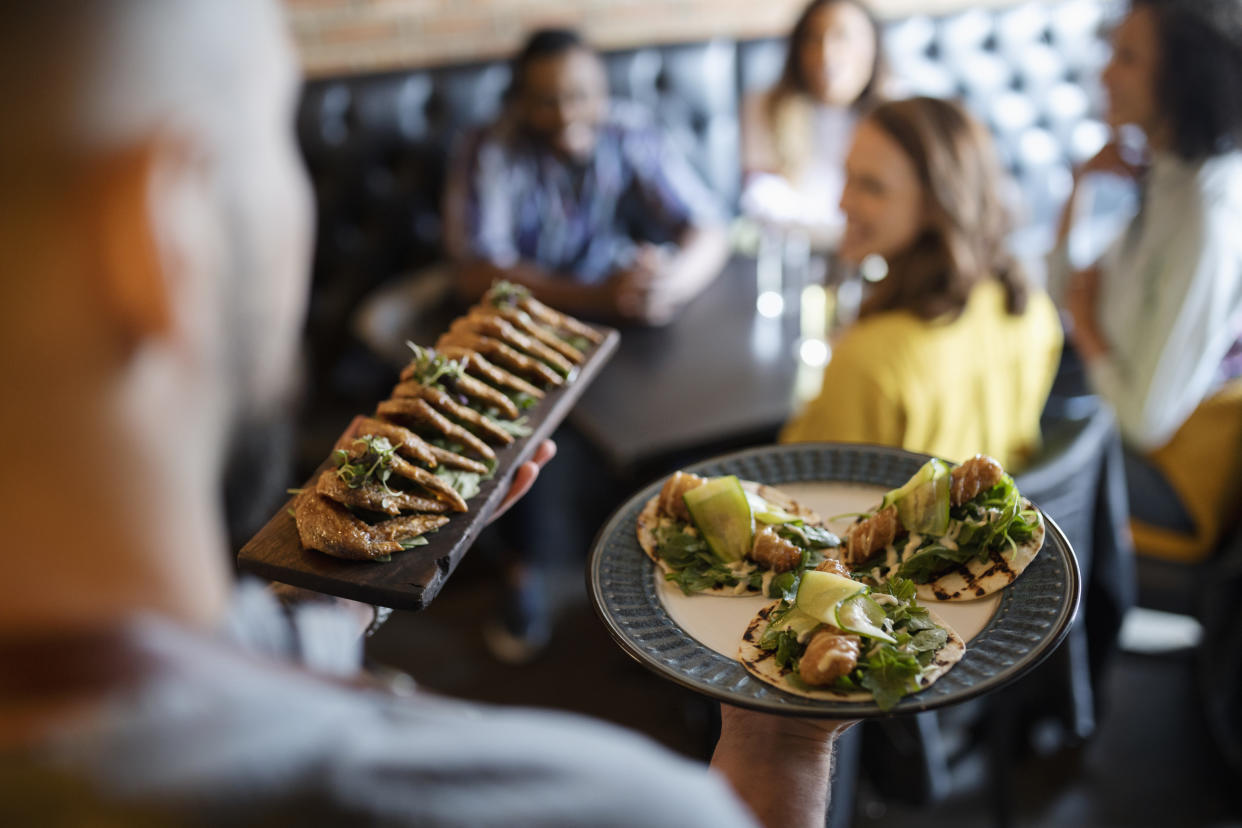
[(954, 351), (1156, 320)]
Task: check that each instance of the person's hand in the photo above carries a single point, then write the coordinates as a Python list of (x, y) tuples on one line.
[(1081, 300), (1112, 161), (525, 476), (779, 765), (646, 291)]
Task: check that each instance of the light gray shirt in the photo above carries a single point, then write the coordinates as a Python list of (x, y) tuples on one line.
[(1170, 301), (210, 734)]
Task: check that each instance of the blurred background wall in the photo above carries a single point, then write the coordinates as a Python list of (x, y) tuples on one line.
[(341, 36)]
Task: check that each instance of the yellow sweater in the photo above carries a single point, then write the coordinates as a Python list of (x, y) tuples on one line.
[(976, 384)]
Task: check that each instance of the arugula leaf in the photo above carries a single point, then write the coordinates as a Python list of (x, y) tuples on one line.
[(581, 343), (695, 567), (410, 543), (522, 400), (517, 428), (929, 640), (889, 674), (807, 537), (465, 483)]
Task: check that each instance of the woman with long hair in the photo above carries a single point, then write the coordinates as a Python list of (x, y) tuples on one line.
[(954, 351), (795, 135), (1157, 320)]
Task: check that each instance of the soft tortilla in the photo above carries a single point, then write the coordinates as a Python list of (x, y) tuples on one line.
[(649, 521), (976, 578), (762, 664)]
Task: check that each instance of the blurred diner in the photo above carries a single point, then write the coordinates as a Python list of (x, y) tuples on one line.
[(954, 351), (795, 135), (1157, 320), (580, 198)]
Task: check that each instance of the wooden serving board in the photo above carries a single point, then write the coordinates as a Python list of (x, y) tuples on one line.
[(414, 577)]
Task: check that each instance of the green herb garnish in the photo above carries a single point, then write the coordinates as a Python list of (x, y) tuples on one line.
[(374, 463), (430, 367)]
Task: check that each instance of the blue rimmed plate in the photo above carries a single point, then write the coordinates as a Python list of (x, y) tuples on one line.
[(693, 640)]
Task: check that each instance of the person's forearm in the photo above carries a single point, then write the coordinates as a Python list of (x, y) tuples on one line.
[(475, 277), (701, 256), (780, 767), (1069, 214)]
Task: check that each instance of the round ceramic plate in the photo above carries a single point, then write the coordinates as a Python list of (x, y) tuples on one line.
[(693, 640)]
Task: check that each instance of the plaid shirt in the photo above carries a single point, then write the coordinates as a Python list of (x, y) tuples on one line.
[(510, 199)]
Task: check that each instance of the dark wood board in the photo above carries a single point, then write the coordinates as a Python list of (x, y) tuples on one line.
[(414, 577)]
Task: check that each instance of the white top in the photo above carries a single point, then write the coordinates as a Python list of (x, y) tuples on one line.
[(795, 167), (1170, 296)]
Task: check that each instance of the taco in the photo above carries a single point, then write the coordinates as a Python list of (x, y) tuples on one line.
[(838, 640), (724, 536), (958, 533)]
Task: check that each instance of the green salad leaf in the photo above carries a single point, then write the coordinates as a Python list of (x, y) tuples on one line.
[(465, 483)]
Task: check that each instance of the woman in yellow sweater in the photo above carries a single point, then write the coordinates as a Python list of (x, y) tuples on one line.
[(954, 352)]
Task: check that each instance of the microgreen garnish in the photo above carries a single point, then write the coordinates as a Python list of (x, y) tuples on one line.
[(430, 367), (506, 294), (374, 462)]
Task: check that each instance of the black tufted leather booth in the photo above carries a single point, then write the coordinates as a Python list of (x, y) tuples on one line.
[(376, 145)]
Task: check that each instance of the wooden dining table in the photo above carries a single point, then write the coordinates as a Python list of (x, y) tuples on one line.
[(720, 375)]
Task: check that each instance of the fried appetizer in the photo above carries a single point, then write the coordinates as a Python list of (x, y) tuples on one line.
[(430, 368), (507, 294), (499, 328), (506, 355), (330, 527), (476, 363), (449, 407), (374, 496), (418, 413), (521, 320)]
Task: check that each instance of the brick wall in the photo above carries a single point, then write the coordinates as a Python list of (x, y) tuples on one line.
[(346, 36)]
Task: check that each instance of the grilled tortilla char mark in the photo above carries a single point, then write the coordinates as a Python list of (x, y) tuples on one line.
[(509, 357), (328, 526), (672, 494), (419, 411), (475, 362), (547, 316), (869, 536), (829, 655), (521, 320), (406, 442), (448, 406), (500, 328), (373, 497), (978, 474)]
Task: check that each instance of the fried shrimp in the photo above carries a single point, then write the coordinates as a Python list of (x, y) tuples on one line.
[(834, 566), (829, 655), (773, 552), (672, 496), (978, 474), (869, 536)]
